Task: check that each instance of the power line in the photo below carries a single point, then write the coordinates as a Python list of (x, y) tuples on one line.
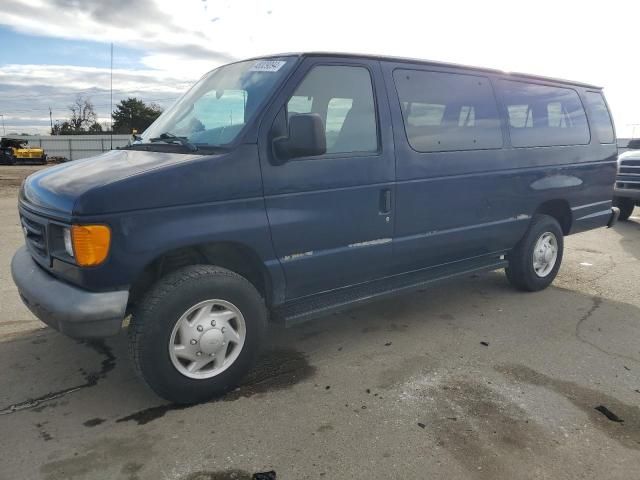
[(90, 91), (32, 95), (95, 105), (87, 93)]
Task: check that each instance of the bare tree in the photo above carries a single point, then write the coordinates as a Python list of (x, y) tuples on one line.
[(83, 115), (83, 119)]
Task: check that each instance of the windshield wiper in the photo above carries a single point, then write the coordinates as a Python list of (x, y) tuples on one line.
[(171, 138)]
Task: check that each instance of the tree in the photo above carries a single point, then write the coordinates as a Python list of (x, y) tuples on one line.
[(83, 119), (95, 128), (61, 128), (133, 114), (83, 115)]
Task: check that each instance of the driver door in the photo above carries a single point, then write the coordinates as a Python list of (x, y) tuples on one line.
[(331, 215)]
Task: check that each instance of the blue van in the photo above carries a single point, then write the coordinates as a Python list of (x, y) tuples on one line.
[(286, 187)]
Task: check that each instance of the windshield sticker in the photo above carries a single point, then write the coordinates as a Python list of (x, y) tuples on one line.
[(267, 66)]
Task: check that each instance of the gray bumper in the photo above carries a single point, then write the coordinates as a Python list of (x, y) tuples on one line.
[(75, 312), (627, 193)]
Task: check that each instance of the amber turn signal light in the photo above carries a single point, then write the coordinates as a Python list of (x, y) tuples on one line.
[(90, 244)]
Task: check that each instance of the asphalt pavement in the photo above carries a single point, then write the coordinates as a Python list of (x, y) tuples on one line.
[(469, 379)]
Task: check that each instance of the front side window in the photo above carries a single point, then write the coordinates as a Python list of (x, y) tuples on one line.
[(343, 97), (544, 116), (600, 118), (445, 112), (216, 108)]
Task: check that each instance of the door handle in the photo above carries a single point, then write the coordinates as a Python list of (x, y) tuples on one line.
[(385, 201)]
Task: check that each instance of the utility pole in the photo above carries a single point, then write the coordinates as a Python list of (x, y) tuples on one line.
[(50, 120), (111, 102)]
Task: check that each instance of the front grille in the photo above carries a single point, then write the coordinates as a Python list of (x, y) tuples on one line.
[(630, 167), (629, 174), (35, 234)]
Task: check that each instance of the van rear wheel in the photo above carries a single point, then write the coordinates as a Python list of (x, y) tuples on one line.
[(197, 333), (535, 261)]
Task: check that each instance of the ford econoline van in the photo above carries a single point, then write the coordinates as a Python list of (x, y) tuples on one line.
[(283, 188)]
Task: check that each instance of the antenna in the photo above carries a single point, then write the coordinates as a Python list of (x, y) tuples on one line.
[(111, 101)]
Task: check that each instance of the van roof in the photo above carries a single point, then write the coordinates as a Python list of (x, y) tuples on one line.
[(514, 75)]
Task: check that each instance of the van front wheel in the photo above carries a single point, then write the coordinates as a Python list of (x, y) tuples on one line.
[(535, 261), (197, 333)]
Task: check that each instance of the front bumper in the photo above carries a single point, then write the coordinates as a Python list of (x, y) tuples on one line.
[(627, 193), (73, 311)]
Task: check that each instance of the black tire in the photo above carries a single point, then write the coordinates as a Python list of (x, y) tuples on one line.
[(154, 318), (521, 272), (626, 206), (6, 159)]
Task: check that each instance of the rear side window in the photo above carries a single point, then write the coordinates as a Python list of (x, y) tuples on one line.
[(543, 116), (445, 111), (343, 97), (600, 118)]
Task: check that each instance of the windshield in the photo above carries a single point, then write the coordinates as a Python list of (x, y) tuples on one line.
[(215, 109)]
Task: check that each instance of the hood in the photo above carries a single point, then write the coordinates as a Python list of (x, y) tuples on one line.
[(629, 155), (57, 188), (130, 180)]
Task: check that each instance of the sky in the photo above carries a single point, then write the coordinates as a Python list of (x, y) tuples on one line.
[(53, 50)]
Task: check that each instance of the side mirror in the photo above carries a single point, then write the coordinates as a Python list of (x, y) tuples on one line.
[(306, 138)]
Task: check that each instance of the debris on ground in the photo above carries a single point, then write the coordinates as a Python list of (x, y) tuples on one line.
[(486, 344), (609, 414), (264, 476)]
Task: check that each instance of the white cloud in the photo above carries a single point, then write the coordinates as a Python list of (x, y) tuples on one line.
[(27, 91), (81, 78), (146, 24)]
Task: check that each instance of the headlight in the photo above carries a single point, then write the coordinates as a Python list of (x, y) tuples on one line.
[(68, 244), (90, 244)]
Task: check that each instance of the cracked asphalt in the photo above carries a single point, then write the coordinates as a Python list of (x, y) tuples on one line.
[(469, 379)]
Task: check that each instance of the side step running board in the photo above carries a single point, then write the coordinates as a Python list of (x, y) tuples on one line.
[(307, 308)]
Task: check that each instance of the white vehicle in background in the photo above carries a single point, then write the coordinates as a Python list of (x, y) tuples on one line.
[(627, 188)]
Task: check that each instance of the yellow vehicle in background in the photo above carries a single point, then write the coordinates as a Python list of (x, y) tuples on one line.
[(13, 151)]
